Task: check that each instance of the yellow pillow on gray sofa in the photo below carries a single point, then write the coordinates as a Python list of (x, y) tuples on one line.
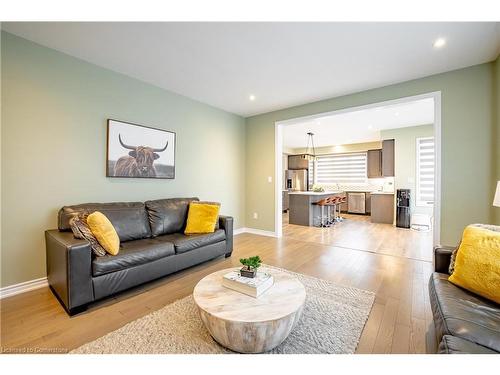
[(202, 217), (104, 232), (477, 263)]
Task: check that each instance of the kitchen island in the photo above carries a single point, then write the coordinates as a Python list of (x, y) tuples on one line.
[(301, 208)]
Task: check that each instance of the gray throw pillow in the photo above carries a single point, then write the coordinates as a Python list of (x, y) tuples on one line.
[(81, 230), (494, 228)]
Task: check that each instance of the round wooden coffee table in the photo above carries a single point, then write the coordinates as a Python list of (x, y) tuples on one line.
[(245, 324)]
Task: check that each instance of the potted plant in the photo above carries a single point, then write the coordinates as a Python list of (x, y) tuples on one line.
[(250, 266)]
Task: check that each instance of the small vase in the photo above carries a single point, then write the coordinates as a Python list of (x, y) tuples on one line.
[(245, 272)]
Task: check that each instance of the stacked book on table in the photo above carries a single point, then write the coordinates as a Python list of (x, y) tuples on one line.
[(253, 287)]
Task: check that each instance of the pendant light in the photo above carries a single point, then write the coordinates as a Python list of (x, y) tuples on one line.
[(308, 155)]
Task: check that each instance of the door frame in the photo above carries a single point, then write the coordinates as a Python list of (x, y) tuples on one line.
[(278, 155)]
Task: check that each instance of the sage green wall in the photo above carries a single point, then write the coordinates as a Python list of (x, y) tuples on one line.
[(54, 111), (467, 150), (496, 135), (405, 159)]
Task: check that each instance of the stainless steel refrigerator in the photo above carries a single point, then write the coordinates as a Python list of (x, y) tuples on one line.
[(296, 180)]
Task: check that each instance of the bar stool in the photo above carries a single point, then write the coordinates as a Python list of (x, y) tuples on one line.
[(331, 202), (324, 222), (341, 200)]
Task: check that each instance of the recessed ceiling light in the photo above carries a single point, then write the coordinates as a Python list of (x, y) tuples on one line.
[(370, 126), (251, 97), (397, 113), (439, 43)]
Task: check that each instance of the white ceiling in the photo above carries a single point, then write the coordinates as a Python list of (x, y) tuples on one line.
[(282, 64), (358, 126)]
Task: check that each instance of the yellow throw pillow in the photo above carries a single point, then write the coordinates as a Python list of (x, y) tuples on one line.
[(104, 232), (202, 217), (477, 265)]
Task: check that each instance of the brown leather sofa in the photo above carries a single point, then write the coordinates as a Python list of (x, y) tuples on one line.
[(152, 245), (464, 322)]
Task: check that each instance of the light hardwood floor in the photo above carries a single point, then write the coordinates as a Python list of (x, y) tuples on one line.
[(397, 323), (357, 232)]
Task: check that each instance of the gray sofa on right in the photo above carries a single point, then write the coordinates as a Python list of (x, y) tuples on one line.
[(152, 245), (464, 322)]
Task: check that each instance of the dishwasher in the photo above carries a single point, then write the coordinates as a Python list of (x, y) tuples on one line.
[(356, 203)]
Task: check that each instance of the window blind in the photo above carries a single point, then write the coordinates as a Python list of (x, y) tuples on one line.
[(341, 168), (425, 171), (311, 174)]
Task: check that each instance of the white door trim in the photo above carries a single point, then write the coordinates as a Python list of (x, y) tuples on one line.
[(437, 169), (278, 178), (278, 152)]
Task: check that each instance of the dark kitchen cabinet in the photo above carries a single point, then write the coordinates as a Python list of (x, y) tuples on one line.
[(388, 158), (374, 163)]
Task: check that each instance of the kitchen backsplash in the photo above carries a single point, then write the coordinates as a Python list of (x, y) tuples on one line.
[(372, 184)]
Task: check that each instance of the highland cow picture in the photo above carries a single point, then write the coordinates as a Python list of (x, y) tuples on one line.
[(137, 151)]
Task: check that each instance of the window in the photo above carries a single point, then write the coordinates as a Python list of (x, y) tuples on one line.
[(425, 171), (341, 169), (312, 173)]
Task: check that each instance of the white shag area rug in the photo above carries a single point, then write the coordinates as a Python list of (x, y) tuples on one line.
[(332, 321)]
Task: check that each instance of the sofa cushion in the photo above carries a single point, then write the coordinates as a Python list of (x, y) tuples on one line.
[(494, 228), (168, 216), (81, 230), (460, 313), (104, 232), (133, 253), (456, 345), (202, 217), (184, 243), (129, 219), (477, 265)]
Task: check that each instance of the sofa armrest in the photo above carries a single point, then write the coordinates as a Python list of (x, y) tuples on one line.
[(226, 223), (442, 257), (69, 268)]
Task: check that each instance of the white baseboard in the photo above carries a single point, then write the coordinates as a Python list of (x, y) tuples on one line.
[(239, 231), (260, 232), (12, 290)]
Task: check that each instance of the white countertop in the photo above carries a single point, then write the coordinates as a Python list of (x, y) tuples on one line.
[(382, 192), (316, 193), (355, 190)]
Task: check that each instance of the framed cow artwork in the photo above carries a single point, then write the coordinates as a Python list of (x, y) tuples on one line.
[(137, 151)]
